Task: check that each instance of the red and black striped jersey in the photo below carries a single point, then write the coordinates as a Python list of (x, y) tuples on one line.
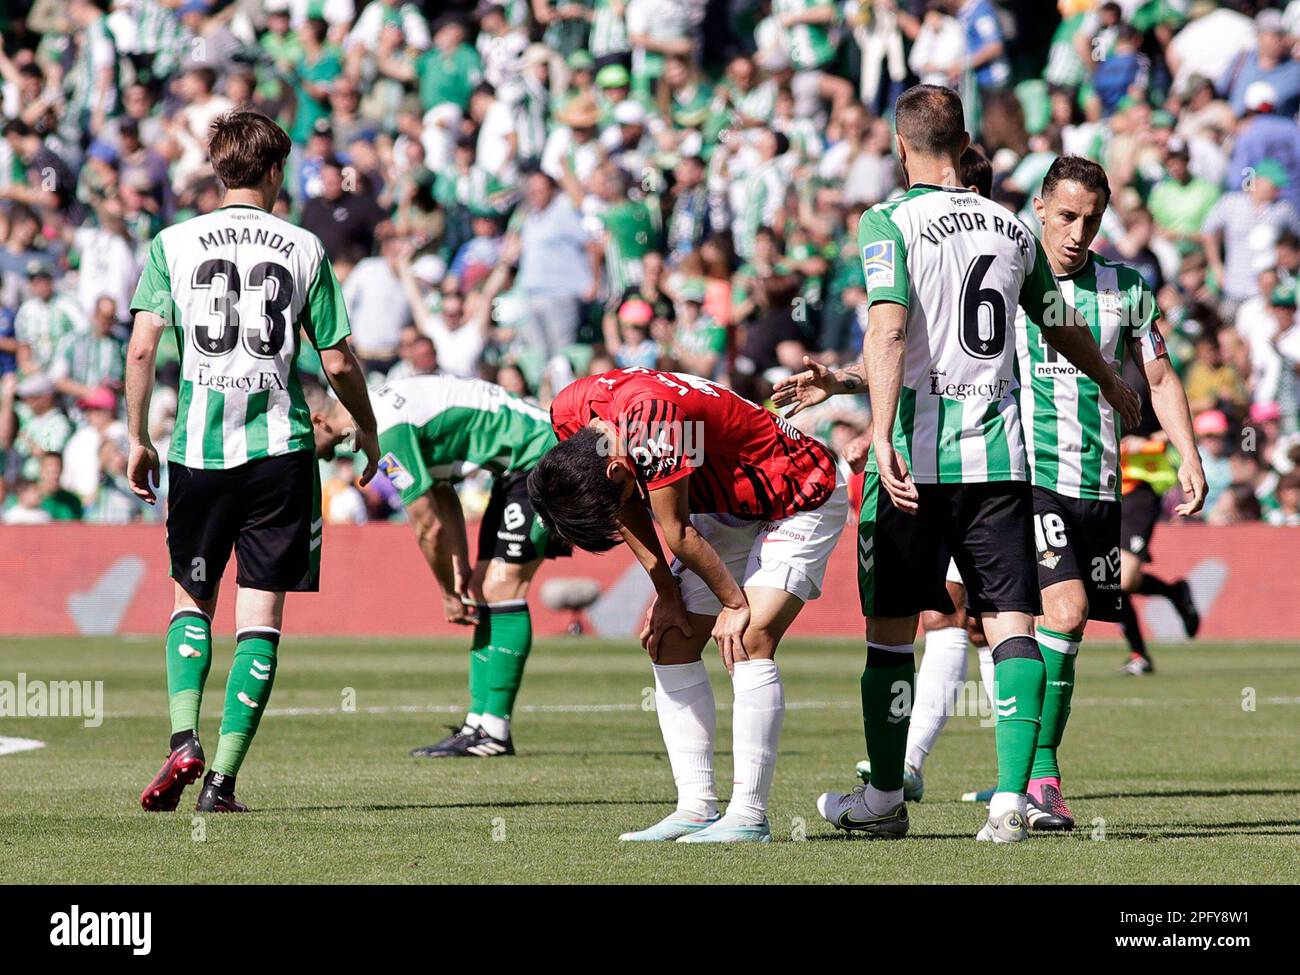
[(741, 459)]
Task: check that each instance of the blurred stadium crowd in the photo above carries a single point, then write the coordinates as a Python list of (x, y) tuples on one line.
[(531, 190)]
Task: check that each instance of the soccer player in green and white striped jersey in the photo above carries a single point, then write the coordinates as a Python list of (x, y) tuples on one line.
[(944, 269), (1073, 439), (236, 286), (433, 432)]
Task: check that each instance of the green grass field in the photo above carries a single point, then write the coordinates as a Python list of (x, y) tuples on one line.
[(1177, 782)]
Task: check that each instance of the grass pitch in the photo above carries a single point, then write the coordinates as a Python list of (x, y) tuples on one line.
[(1171, 778)]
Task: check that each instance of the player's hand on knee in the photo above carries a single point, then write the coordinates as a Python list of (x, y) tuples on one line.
[(665, 613), (142, 471), (896, 478), (729, 632)]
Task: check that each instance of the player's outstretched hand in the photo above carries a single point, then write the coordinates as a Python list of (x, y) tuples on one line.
[(368, 444), (142, 471), (1120, 395), (665, 613), (803, 389), (896, 478), (1192, 478), (729, 631)]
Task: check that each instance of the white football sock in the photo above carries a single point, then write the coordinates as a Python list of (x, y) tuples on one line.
[(880, 802), (1004, 802), (688, 719), (986, 674), (938, 682), (498, 728), (471, 722), (756, 732)]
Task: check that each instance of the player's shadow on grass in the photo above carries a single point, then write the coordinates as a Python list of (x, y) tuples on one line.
[(840, 836), (1187, 794), (516, 804), (1261, 827)]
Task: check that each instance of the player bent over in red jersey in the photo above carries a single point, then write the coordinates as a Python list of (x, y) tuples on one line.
[(751, 510)]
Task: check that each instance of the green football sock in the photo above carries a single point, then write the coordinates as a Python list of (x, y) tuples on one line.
[(1059, 651), (189, 658), (478, 660), (1019, 676), (510, 638), (252, 674), (888, 684)]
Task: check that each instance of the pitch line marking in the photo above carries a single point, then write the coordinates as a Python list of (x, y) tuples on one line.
[(9, 746)]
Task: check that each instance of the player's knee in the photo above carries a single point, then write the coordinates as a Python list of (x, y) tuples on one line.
[(933, 620), (1068, 617), (761, 641), (1130, 572)]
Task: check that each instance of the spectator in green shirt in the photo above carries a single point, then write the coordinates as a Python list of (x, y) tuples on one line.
[(450, 70), (62, 505), (1180, 201), (318, 65)]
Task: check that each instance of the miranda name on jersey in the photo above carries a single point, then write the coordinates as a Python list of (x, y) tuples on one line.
[(223, 236)]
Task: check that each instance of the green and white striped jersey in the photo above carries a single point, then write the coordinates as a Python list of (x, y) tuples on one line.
[(1071, 432), (960, 264), (43, 325), (236, 285), (608, 31), (441, 429)]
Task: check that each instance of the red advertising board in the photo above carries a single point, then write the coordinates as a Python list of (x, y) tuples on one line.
[(72, 578)]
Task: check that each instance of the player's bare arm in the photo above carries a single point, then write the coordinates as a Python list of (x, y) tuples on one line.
[(1169, 401), (672, 511), (348, 380), (141, 358), (439, 527), (817, 384), (1074, 341), (667, 612), (883, 350)]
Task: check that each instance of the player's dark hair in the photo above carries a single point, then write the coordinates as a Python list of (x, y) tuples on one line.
[(977, 171), (245, 146), (1079, 170), (931, 120), (569, 490)]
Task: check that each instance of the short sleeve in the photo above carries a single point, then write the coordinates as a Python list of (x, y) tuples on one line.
[(884, 259), (1038, 287), (153, 293), (326, 315), (1144, 321), (401, 462)]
